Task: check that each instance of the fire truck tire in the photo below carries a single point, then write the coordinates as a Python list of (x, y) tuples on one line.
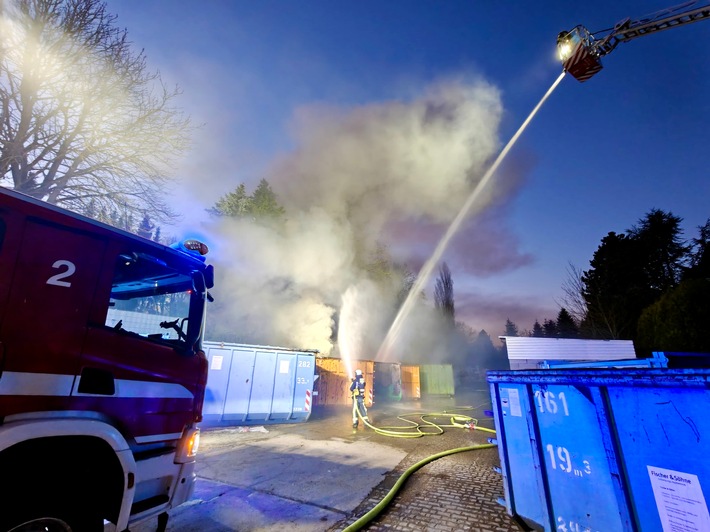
[(32, 503), (73, 493), (44, 524), (57, 519)]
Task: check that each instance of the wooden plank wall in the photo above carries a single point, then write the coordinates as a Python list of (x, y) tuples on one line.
[(333, 384), (410, 382)]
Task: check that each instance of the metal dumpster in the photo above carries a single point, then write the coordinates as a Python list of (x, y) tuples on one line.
[(604, 449), (437, 379), (251, 384)]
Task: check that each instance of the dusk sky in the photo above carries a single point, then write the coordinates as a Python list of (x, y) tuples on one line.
[(275, 84)]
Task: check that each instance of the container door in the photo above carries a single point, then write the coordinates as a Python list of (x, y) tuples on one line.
[(519, 453), (663, 433), (583, 478), (241, 384), (262, 388), (305, 367), (284, 386), (220, 362)]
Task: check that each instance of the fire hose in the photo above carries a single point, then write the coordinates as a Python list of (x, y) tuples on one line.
[(459, 421), (431, 428)]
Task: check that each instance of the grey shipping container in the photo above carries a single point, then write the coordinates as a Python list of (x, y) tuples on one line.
[(255, 385)]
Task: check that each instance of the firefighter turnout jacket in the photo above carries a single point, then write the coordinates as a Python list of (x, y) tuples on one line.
[(357, 387)]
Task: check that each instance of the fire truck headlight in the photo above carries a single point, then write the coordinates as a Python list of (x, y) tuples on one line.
[(189, 445), (193, 444)]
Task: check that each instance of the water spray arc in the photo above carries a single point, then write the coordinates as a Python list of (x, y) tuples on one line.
[(426, 271)]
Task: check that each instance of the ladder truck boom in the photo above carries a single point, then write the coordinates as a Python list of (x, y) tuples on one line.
[(581, 51)]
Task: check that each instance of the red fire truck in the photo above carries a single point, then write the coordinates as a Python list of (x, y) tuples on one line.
[(102, 373)]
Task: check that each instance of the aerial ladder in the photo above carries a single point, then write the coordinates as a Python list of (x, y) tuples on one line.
[(581, 51)]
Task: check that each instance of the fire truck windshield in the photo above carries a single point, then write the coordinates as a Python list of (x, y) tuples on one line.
[(150, 299)]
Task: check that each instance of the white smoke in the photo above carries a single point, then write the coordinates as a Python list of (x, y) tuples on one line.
[(352, 173)]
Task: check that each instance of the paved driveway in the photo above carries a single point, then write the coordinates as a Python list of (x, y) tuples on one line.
[(322, 475)]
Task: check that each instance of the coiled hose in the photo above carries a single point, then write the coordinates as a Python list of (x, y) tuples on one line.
[(426, 427)]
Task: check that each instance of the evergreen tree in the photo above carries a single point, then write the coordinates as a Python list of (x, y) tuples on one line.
[(614, 288), (550, 329), (145, 229), (92, 210), (700, 254), (486, 355), (114, 218), (566, 326), (264, 204), (510, 328), (537, 331), (663, 250), (629, 272), (678, 321), (236, 204), (260, 206)]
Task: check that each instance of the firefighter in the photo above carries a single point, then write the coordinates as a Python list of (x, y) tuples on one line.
[(357, 390)]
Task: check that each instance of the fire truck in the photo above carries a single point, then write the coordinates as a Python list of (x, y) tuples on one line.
[(581, 52), (102, 373)]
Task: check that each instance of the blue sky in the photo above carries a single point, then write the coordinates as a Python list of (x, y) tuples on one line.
[(596, 158)]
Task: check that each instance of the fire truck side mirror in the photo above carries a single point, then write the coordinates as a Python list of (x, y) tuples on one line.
[(209, 276), (199, 283)]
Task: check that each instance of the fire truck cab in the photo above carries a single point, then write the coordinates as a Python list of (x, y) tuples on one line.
[(102, 373)]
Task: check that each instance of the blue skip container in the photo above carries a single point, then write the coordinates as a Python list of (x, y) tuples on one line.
[(253, 384), (604, 450)]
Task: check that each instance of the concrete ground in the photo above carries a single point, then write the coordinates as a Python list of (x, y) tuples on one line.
[(322, 475)]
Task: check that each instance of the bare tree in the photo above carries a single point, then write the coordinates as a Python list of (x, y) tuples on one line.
[(82, 120), (444, 294), (573, 289)]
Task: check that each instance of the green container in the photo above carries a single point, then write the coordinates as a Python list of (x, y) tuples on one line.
[(437, 379)]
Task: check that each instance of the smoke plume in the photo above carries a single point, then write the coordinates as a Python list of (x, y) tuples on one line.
[(354, 177)]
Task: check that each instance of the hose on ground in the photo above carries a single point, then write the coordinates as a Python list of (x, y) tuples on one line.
[(369, 516), (426, 427), (456, 420)]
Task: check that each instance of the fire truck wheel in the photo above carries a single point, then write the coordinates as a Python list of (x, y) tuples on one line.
[(63, 518), (47, 524)]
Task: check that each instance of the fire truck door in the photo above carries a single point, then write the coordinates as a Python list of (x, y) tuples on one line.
[(44, 327), (150, 385), (150, 388), (8, 250)]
